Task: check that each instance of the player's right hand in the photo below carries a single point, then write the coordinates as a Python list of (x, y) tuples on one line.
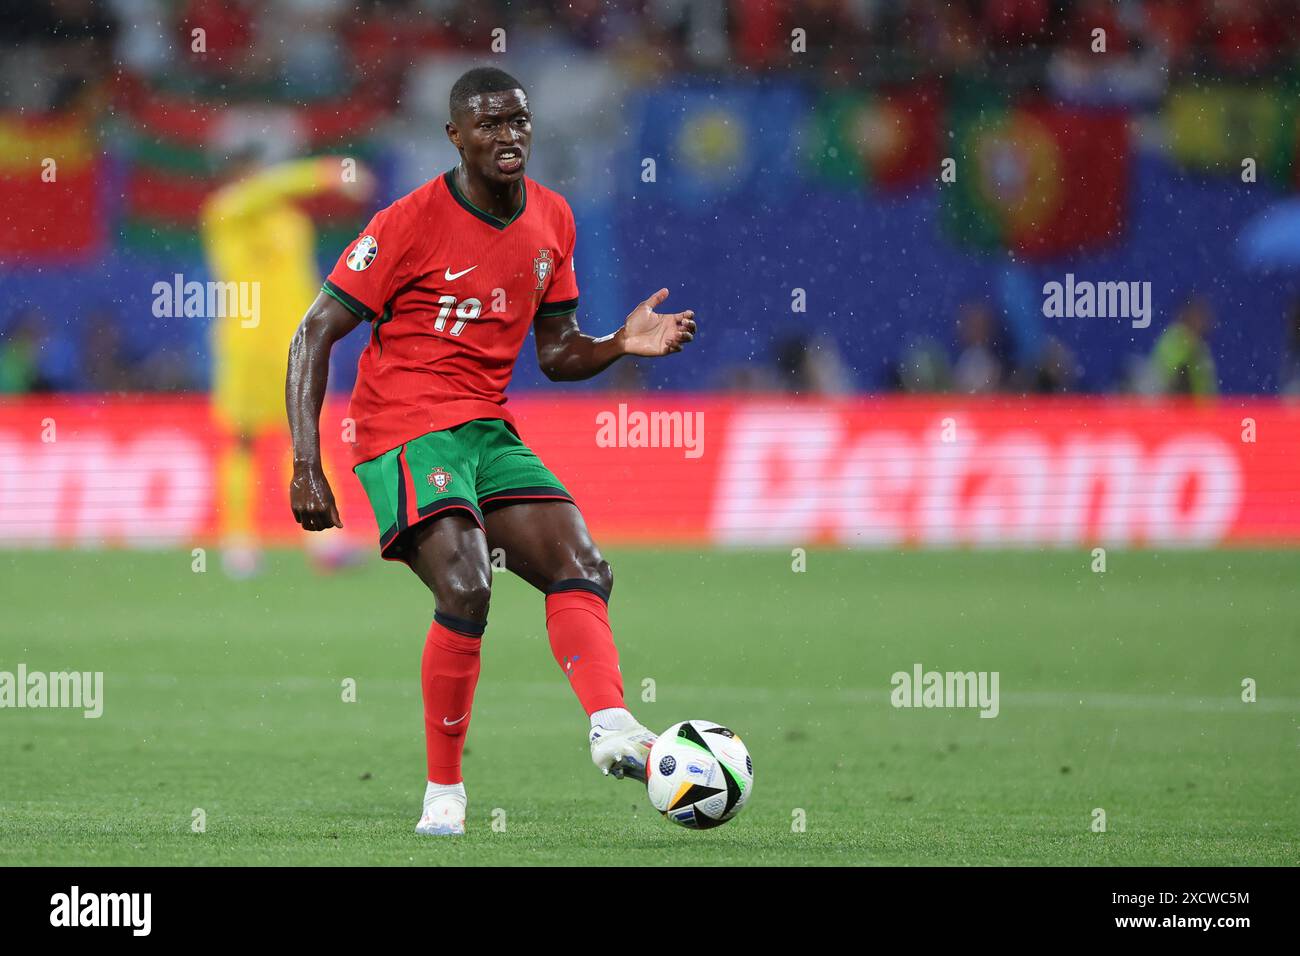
[(650, 333), (312, 500)]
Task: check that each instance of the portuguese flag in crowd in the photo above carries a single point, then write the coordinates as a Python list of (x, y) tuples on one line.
[(1038, 179), (181, 145), (887, 137), (50, 182), (1213, 127)]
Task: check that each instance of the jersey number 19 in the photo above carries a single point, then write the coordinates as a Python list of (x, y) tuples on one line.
[(465, 311)]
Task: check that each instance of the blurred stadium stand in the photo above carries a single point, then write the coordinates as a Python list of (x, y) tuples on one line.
[(775, 171)]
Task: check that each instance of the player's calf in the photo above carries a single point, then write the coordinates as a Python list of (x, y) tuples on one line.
[(450, 556), (577, 623), (577, 620)]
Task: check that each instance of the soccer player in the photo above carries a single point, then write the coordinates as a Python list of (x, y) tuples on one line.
[(254, 231), (450, 277)]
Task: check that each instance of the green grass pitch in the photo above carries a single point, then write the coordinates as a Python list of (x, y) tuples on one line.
[(1119, 691)]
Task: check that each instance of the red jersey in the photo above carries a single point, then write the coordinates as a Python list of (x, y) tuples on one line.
[(450, 292)]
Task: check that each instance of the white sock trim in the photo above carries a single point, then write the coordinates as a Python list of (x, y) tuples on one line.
[(613, 718), (433, 791)]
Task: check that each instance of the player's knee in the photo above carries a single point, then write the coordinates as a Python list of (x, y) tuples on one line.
[(591, 568), (604, 575), (467, 598), (466, 589)]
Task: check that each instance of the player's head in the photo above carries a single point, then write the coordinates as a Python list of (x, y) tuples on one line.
[(490, 125)]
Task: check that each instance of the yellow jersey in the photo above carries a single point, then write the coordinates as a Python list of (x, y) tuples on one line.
[(254, 233)]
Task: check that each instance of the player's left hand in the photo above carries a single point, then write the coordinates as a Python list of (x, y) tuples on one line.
[(647, 332)]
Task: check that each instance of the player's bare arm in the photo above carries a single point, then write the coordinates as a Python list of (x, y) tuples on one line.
[(310, 496), (565, 354)]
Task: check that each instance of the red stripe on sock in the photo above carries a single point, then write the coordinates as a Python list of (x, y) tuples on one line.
[(583, 644)]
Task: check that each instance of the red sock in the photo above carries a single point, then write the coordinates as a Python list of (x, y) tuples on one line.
[(449, 672), (583, 645)]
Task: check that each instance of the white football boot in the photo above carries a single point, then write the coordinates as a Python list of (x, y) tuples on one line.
[(622, 753), (444, 811)]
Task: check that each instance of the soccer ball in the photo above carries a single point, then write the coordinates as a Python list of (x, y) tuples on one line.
[(699, 774)]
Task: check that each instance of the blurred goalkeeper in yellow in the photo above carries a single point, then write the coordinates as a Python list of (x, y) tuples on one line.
[(254, 232)]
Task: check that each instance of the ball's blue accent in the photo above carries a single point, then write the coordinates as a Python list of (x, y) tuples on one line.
[(667, 766), (749, 765)]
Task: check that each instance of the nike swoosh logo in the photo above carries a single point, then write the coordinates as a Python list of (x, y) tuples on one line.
[(449, 275), (453, 723)]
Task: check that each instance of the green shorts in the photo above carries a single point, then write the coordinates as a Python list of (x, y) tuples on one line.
[(473, 468)]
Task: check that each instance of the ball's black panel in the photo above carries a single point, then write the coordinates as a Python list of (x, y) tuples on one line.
[(733, 789), (695, 794), (689, 732), (703, 822)]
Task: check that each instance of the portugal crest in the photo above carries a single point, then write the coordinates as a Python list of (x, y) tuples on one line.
[(542, 266), (440, 480)]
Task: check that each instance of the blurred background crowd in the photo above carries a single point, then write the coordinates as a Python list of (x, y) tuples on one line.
[(795, 198), (57, 48)]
